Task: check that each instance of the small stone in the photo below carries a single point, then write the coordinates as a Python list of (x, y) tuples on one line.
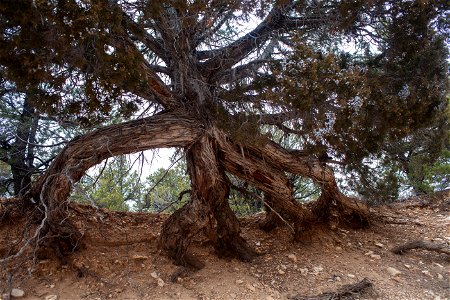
[(180, 280), (269, 298), (161, 282), (338, 248), (239, 281), (17, 293), (426, 272), (368, 253), (303, 271), (438, 265), (407, 266), (250, 287), (284, 267), (233, 296), (51, 297), (139, 257), (258, 244), (440, 277), (393, 271), (351, 275), (318, 269), (154, 275), (379, 245), (281, 272), (375, 256), (51, 286), (292, 257)]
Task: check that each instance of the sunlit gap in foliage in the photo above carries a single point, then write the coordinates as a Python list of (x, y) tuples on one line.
[(146, 182)]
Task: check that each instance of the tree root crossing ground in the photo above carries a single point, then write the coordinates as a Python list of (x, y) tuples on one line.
[(121, 259)]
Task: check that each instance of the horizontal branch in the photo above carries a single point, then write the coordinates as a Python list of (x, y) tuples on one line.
[(166, 129)]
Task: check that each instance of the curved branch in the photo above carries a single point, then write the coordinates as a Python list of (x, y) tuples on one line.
[(166, 129), (226, 57)]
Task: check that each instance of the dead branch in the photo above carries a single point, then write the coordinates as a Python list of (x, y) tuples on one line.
[(422, 244), (347, 291)]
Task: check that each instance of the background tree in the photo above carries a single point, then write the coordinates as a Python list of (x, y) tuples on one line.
[(115, 185), (165, 189), (29, 140), (208, 81)]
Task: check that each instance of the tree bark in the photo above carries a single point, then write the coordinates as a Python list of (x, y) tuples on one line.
[(336, 208), (208, 209), (21, 165), (52, 189)]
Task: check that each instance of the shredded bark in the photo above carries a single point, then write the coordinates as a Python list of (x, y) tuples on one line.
[(348, 291), (422, 244)]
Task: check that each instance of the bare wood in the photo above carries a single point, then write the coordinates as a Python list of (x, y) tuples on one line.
[(422, 244), (345, 292)]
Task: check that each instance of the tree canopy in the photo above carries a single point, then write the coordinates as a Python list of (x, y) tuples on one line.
[(346, 78)]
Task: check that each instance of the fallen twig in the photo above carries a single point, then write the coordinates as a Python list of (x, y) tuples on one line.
[(422, 244), (347, 291)]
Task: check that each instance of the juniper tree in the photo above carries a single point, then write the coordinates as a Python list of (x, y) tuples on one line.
[(344, 76)]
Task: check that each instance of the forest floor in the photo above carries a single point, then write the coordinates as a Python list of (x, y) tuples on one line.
[(121, 259)]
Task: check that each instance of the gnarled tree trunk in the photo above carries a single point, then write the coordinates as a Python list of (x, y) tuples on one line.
[(51, 190), (210, 154), (207, 209)]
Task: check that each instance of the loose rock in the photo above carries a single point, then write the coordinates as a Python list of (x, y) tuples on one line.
[(161, 282), (139, 257), (292, 257), (379, 245), (250, 287), (17, 293), (51, 297), (375, 256), (393, 271), (317, 270)]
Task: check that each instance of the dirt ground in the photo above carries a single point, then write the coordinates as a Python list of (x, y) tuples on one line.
[(121, 259)]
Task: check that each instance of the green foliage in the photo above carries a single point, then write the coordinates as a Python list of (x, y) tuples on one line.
[(5, 180), (361, 81), (117, 187), (163, 189), (437, 176)]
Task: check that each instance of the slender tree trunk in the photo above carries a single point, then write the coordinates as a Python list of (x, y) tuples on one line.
[(20, 163), (208, 209)]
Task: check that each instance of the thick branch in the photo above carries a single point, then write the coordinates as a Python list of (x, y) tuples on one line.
[(166, 129), (139, 33), (226, 57)]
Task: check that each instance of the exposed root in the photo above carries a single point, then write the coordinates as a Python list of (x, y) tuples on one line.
[(336, 208), (422, 244), (237, 247), (348, 291)]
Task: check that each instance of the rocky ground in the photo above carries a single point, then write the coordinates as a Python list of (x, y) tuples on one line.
[(121, 260)]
